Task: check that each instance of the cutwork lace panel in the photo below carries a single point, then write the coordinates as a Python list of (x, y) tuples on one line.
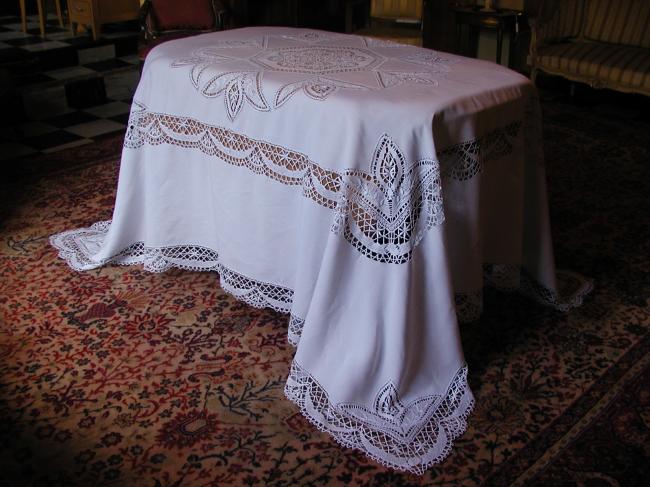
[(384, 214), (409, 437), (222, 70)]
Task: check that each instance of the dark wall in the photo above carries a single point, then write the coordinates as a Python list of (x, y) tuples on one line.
[(323, 14)]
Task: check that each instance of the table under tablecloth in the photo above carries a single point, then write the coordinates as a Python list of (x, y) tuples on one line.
[(367, 188)]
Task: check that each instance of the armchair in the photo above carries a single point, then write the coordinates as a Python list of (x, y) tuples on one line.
[(165, 20)]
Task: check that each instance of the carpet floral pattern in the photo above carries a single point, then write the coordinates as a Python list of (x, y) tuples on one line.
[(126, 378)]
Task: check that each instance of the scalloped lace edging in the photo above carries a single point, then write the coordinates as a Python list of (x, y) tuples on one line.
[(77, 246), (410, 437), (572, 288), (571, 292)]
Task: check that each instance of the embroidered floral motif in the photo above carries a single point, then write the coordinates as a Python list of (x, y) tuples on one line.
[(374, 42), (385, 214), (313, 37), (200, 61), (429, 58), (236, 87), (316, 88), (319, 69), (388, 79)]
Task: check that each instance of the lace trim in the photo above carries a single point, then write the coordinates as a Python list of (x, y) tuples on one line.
[(295, 330), (376, 42), (314, 37), (572, 287), (76, 247), (318, 88), (384, 215), (465, 160), (409, 437)]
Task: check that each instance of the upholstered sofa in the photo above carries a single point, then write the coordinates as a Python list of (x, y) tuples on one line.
[(604, 43)]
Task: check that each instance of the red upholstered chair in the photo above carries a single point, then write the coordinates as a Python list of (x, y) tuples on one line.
[(165, 20)]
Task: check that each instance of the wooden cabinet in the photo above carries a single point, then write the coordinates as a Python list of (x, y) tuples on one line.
[(439, 23), (94, 13)]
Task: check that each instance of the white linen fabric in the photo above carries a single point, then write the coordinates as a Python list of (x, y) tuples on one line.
[(368, 188)]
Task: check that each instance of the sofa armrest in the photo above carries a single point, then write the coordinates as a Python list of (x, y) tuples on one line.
[(554, 21)]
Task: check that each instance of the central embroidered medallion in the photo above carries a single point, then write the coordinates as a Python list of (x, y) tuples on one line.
[(317, 59)]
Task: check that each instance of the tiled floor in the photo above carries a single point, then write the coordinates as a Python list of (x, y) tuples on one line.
[(40, 69)]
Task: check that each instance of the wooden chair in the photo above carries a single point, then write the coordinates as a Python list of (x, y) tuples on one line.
[(42, 14), (162, 20)]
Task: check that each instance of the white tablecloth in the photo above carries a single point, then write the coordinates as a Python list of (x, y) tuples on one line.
[(367, 188)]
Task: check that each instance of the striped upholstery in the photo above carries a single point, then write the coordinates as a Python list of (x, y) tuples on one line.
[(393, 9), (619, 67), (564, 22), (619, 22)]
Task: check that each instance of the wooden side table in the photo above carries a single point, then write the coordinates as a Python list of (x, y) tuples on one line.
[(94, 13), (499, 20)]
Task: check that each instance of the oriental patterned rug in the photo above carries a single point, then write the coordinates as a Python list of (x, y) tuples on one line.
[(119, 377)]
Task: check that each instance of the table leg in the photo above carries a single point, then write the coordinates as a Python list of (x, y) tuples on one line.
[(97, 30), (58, 12), (23, 15), (499, 44), (41, 16), (474, 33), (512, 40)]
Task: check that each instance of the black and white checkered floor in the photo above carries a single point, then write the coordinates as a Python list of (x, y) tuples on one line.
[(41, 68)]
